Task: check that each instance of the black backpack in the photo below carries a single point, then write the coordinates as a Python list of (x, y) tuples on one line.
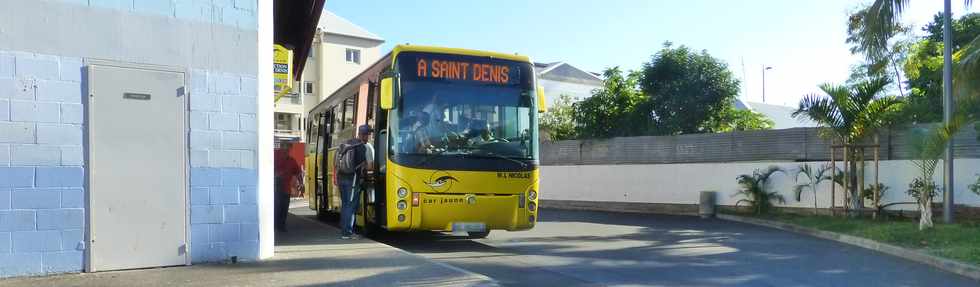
[(350, 157)]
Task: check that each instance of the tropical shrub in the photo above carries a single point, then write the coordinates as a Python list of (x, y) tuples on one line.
[(869, 191), (928, 146), (814, 178), (873, 194), (755, 189), (975, 188), (924, 190)]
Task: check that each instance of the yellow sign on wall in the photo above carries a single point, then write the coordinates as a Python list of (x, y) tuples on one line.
[(282, 70)]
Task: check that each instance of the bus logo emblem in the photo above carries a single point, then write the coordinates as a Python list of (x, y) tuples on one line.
[(441, 181)]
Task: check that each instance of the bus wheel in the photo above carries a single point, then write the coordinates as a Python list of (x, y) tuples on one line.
[(478, 235)]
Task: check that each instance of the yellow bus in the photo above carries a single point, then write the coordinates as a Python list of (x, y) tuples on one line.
[(456, 141)]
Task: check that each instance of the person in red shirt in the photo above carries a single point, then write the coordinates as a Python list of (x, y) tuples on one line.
[(287, 174)]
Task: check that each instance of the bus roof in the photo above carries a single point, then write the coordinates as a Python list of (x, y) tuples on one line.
[(457, 51), (373, 70)]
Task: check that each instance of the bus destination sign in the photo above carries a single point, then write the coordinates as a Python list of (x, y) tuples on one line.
[(474, 70), (458, 70)]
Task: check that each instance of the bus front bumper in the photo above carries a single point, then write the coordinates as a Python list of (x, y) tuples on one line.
[(470, 212)]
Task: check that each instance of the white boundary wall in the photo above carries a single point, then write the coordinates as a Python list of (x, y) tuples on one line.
[(681, 183)]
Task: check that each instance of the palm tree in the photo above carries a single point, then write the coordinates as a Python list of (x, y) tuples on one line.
[(850, 114), (755, 188), (814, 178), (884, 14), (878, 26), (928, 146)]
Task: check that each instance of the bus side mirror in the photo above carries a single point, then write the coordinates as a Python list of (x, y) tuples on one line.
[(387, 96), (541, 100)]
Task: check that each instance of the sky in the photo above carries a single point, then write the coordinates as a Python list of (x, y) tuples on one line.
[(802, 40)]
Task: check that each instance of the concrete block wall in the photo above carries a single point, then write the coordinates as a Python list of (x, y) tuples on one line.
[(235, 13), (42, 193), (224, 210), (42, 165), (681, 183)]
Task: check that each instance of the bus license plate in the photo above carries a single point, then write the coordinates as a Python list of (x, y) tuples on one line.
[(469, 227)]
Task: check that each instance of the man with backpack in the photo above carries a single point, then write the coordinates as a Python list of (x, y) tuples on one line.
[(353, 161)]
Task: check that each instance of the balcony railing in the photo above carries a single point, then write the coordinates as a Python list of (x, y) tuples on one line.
[(291, 98), (282, 132)]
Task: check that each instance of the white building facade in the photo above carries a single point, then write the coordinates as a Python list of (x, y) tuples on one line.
[(340, 51)]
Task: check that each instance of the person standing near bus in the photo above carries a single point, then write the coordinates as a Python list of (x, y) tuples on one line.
[(360, 154), (287, 173)]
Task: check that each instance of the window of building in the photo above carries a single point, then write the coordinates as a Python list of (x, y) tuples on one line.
[(284, 121), (308, 87), (353, 56)]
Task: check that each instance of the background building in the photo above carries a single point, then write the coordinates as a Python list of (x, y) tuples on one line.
[(560, 78), (781, 116), (340, 51)]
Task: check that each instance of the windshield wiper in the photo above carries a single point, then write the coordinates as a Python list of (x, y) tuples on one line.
[(431, 156), (495, 155)]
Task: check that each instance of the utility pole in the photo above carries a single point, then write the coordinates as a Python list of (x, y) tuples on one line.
[(764, 68), (948, 110)]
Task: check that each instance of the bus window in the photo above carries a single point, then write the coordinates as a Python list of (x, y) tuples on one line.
[(349, 112), (321, 141), (373, 88), (312, 132), (334, 119)]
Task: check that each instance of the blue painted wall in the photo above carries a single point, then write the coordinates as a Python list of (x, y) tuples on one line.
[(42, 168), (223, 199)]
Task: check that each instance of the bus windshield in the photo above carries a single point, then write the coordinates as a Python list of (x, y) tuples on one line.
[(463, 112), (440, 118)]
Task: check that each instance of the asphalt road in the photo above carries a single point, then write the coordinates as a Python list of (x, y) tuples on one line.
[(574, 248)]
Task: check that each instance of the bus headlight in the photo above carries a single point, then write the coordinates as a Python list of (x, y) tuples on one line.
[(531, 206), (532, 195), (530, 218), (402, 205), (401, 217), (402, 192)]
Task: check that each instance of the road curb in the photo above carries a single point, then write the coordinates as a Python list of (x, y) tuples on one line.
[(948, 265)]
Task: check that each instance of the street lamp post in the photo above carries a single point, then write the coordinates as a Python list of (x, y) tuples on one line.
[(948, 111), (764, 68)]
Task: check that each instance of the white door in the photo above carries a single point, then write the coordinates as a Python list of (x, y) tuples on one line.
[(137, 171)]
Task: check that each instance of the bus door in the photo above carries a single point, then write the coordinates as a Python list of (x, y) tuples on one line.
[(378, 119), (322, 178)]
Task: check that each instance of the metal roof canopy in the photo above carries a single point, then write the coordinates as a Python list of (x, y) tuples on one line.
[(295, 23)]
